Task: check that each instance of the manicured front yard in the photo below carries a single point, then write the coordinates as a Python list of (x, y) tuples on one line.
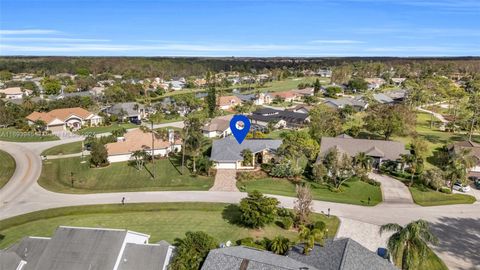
[(56, 176), (7, 167), (64, 149), (354, 192), (432, 198), (15, 135), (163, 221), (105, 129)]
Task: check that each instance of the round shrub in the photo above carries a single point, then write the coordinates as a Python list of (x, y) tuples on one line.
[(287, 223)]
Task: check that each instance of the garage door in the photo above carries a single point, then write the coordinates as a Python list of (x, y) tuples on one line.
[(226, 165), (56, 128)]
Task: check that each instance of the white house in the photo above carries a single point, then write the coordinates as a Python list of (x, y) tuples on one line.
[(136, 139), (219, 127), (228, 102), (68, 118), (15, 92)]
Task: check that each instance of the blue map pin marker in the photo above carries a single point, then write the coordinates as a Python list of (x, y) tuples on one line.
[(239, 134)]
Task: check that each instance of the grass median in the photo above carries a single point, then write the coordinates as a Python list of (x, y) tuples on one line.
[(7, 167)]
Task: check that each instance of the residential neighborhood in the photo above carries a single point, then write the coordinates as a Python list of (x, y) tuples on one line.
[(239, 135)]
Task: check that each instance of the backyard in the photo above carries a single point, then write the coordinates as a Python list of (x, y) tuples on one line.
[(163, 221), (57, 176), (15, 135), (7, 168), (354, 192)]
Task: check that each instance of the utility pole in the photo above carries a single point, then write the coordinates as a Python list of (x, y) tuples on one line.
[(153, 149)]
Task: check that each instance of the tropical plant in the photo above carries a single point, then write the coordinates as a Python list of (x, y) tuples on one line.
[(457, 166), (280, 245), (310, 235), (140, 156), (257, 210), (409, 245), (192, 250), (247, 157)]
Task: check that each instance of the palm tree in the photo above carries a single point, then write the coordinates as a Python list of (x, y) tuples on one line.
[(280, 245), (363, 161), (310, 236), (40, 126), (414, 162), (409, 245), (139, 156), (457, 166)]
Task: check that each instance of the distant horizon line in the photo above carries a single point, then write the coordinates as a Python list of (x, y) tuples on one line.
[(240, 57)]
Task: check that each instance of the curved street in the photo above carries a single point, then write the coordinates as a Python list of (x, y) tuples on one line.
[(457, 226)]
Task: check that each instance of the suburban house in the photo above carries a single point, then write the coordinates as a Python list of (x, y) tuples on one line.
[(287, 96), (227, 152), (474, 149), (256, 99), (228, 102), (77, 248), (218, 127), (130, 111), (379, 150), (383, 98), (398, 81), (375, 83), (398, 95), (68, 118), (309, 91), (339, 103), (301, 108), (15, 92), (244, 258), (136, 140), (341, 254), (279, 118)]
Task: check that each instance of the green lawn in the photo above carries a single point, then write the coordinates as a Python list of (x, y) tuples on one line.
[(290, 84), (64, 149), (117, 177), (7, 167), (15, 135), (104, 129), (165, 221), (432, 198), (354, 192)]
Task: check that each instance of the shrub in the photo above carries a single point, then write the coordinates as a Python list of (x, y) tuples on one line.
[(287, 223), (320, 225), (284, 212), (258, 210), (446, 190)]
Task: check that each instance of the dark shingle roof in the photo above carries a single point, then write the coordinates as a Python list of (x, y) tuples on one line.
[(343, 254), (30, 249), (272, 115), (145, 257), (247, 258), (227, 149)]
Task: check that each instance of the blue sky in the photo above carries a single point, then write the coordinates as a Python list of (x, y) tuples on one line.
[(240, 28)]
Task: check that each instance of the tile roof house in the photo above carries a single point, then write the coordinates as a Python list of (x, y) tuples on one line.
[(218, 127), (136, 139), (279, 118), (379, 150), (75, 248), (474, 149), (247, 258), (287, 96), (227, 152), (228, 102), (68, 118), (343, 254), (15, 92), (256, 99)]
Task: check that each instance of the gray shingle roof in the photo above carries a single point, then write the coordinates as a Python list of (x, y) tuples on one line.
[(9, 260), (272, 115), (377, 148), (382, 98), (127, 107), (228, 149), (343, 254), (145, 257), (342, 102), (81, 249), (249, 259), (30, 249)]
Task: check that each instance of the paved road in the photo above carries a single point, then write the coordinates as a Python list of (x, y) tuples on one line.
[(437, 115), (457, 226)]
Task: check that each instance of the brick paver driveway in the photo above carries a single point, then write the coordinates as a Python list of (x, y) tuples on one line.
[(225, 180)]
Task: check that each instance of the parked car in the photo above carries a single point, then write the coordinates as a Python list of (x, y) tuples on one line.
[(459, 187), (477, 183), (136, 121)]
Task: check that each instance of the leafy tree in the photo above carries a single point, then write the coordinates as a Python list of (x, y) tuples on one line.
[(98, 154), (316, 87), (409, 245), (457, 166), (280, 245), (319, 172), (258, 210), (40, 126), (324, 121), (5, 75), (298, 143), (191, 251), (414, 163), (194, 141), (434, 178), (303, 204), (388, 120), (51, 86), (82, 71), (247, 157), (332, 91), (357, 84), (140, 156), (310, 235), (339, 167)]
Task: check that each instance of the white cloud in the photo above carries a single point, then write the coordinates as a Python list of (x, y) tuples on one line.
[(28, 32)]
